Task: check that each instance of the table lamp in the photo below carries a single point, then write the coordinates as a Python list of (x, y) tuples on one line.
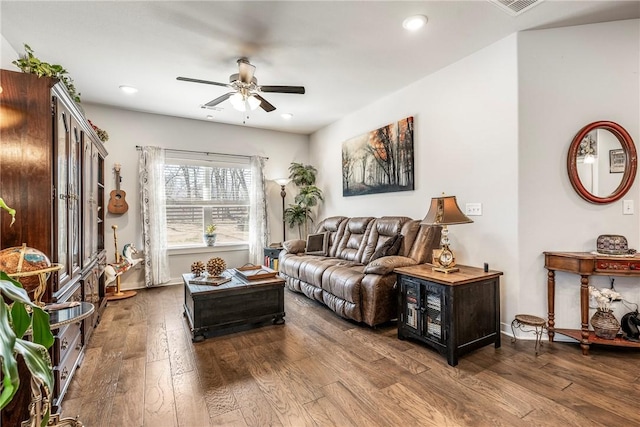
[(444, 211)]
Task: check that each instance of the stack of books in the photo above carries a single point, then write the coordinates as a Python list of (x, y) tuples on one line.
[(209, 280)]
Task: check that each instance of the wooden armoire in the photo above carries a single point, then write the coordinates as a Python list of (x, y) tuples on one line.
[(52, 173)]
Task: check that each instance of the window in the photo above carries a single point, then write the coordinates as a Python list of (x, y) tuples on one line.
[(206, 189)]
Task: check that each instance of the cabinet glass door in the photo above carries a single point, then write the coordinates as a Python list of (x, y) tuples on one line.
[(88, 198), (433, 310), (61, 197), (411, 308), (98, 173), (75, 150)]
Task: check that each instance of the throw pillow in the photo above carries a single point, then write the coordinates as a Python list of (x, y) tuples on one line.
[(294, 246), (386, 264), (318, 244), (388, 248)]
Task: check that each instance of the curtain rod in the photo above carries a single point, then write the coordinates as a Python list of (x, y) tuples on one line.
[(206, 153)]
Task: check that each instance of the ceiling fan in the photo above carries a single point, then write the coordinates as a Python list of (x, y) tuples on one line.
[(246, 91)]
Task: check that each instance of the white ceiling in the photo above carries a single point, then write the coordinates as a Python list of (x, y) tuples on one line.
[(346, 54)]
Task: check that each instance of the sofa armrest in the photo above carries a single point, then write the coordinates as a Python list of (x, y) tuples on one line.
[(295, 246), (386, 264)]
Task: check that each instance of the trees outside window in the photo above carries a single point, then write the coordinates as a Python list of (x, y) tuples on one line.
[(202, 192)]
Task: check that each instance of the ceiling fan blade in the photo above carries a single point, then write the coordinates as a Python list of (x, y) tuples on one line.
[(264, 104), (207, 82), (219, 99), (246, 70), (283, 89)]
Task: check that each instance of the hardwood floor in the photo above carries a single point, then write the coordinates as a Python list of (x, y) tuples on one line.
[(141, 369)]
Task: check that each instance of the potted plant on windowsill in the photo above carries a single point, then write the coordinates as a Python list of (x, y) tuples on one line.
[(210, 235)]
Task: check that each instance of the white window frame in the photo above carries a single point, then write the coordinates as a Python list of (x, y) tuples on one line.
[(207, 160)]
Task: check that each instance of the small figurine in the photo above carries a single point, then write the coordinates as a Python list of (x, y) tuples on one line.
[(215, 266), (114, 270), (197, 268)]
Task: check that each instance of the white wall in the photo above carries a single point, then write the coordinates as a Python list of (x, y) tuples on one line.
[(465, 144), (127, 129), (570, 77), (495, 128), (7, 55)]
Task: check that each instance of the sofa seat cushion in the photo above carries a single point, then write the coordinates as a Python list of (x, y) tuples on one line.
[(343, 281), (290, 263), (312, 268)]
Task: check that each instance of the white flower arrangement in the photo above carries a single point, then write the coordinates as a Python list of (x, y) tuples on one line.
[(604, 297)]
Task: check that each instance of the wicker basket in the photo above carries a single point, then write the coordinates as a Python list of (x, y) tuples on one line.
[(605, 325)]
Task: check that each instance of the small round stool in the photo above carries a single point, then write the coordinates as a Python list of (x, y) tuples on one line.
[(523, 320)]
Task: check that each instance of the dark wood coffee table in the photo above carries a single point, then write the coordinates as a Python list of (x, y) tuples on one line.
[(233, 306)]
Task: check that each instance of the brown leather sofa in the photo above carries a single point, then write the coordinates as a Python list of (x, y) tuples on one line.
[(355, 277)]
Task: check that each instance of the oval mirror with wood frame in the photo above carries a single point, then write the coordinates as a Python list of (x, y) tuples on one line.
[(602, 162)]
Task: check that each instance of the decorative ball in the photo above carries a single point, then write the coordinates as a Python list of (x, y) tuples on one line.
[(23, 259), (215, 266), (197, 268)]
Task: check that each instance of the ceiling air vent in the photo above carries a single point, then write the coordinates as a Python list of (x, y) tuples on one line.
[(515, 7)]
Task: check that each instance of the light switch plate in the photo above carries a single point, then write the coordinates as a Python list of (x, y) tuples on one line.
[(473, 209), (627, 207)]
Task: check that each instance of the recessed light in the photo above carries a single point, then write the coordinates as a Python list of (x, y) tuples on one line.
[(128, 89), (286, 116), (414, 23)]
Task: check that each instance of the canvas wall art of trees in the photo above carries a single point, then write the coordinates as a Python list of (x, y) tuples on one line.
[(380, 161)]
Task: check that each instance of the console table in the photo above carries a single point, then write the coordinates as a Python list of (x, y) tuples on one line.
[(586, 264)]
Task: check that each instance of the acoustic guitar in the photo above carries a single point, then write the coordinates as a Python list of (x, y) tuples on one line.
[(117, 203)]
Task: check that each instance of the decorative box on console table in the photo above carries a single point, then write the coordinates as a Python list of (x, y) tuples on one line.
[(454, 313)]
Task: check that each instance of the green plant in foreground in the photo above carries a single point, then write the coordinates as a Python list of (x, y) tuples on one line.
[(11, 211), (18, 319), (29, 63)]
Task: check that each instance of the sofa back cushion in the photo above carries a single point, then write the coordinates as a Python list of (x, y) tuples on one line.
[(335, 226), (352, 244), (426, 241), (410, 231), (382, 240)]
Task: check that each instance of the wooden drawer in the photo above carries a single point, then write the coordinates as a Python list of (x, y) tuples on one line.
[(63, 372), (65, 336), (72, 292)]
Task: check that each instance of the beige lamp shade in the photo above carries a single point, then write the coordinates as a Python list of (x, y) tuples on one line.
[(444, 210), (282, 181)]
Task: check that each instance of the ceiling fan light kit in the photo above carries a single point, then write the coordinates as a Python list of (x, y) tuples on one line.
[(246, 91), (244, 103)]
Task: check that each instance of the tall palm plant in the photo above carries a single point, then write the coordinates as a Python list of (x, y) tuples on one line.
[(297, 216), (300, 213)]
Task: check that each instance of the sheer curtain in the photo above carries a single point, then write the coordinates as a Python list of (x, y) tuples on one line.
[(154, 221), (257, 212)]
